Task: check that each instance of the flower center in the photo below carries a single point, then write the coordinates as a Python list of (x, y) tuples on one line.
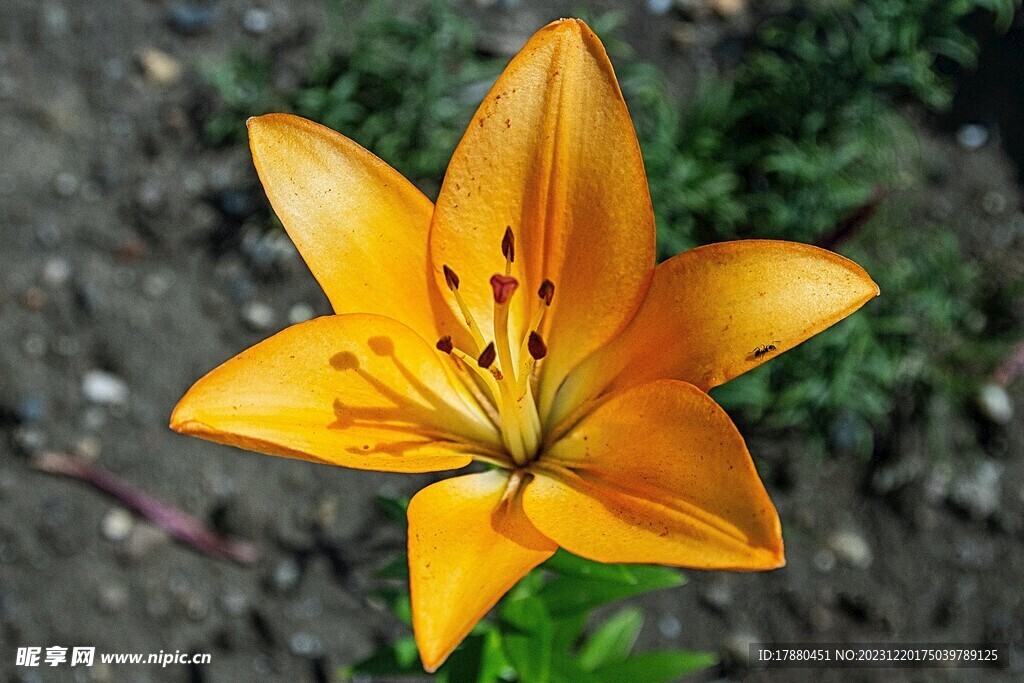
[(505, 385)]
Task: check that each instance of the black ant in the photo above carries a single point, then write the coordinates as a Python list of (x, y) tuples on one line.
[(761, 351)]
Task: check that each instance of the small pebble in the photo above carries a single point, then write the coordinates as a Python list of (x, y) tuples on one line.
[(972, 136), (728, 8), (156, 285), (34, 299), (188, 19), (56, 272), (994, 403), (851, 548), (234, 603), (159, 67), (670, 627), (718, 594), (113, 598), (48, 235), (143, 538), (300, 313), (978, 493), (305, 645), (114, 69), (310, 607), (256, 20), (34, 345), (90, 297), (994, 203), (117, 525), (286, 575), (93, 418), (240, 288), (258, 316), (31, 408), (737, 646), (29, 439), (236, 203), (824, 561), (65, 184), (88, 448), (195, 606), (150, 195), (104, 388), (55, 19)]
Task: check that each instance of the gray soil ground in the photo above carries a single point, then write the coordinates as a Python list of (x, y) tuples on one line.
[(109, 204)]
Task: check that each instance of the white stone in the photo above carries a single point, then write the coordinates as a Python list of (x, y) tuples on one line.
[(117, 525), (994, 403), (104, 388), (851, 548)]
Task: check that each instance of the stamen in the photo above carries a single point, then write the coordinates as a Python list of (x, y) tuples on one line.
[(490, 376), (487, 357), (494, 364), (527, 359), (508, 245), (535, 344), (452, 280), (546, 291)]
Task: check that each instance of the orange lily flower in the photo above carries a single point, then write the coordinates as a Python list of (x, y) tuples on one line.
[(521, 322)]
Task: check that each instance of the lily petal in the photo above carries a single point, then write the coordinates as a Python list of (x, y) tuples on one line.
[(657, 474), (552, 154), (357, 390), (360, 226), (710, 310), (469, 544)]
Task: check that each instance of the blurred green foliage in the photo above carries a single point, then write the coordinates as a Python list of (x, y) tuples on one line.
[(544, 630), (793, 144), (405, 88)]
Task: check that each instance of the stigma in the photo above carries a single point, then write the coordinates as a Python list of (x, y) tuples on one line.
[(505, 380)]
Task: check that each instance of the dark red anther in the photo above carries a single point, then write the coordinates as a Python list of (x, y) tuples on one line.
[(504, 287), (444, 344), (508, 245), (451, 278), (546, 291), (487, 356), (538, 349)]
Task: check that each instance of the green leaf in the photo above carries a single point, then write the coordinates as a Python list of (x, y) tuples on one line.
[(528, 586), (397, 601), (656, 667), (400, 658), (612, 642), (394, 508), (566, 632), (479, 659), (527, 642), (568, 595), (567, 564), (565, 669), (397, 568)]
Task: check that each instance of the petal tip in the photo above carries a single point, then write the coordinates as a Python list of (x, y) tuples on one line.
[(431, 659), (183, 421)]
